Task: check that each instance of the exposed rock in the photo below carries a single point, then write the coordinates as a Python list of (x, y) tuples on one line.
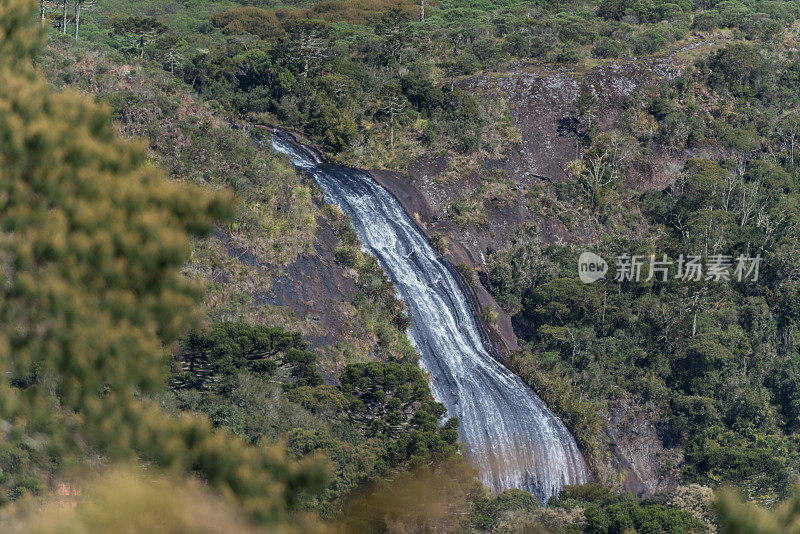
[(542, 101), (314, 285), (638, 451)]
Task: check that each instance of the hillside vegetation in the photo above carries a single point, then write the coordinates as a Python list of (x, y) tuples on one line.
[(713, 361), (291, 431)]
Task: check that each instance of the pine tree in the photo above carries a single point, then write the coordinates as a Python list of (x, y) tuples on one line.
[(392, 104), (92, 240), (308, 43), (139, 31)]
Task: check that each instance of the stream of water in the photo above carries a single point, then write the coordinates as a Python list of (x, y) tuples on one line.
[(507, 432)]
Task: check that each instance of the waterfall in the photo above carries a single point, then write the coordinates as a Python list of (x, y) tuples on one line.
[(507, 432)]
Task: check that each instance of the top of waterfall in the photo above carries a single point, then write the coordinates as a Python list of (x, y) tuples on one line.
[(300, 155)]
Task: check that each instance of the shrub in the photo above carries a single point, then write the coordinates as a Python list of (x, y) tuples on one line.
[(606, 47), (253, 20), (568, 55), (490, 316), (710, 20), (348, 255), (468, 273), (441, 243), (648, 42)]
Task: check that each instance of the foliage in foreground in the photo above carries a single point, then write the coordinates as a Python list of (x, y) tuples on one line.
[(127, 499), (93, 239), (737, 516)]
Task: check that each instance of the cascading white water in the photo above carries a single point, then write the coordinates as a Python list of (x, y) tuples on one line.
[(509, 434)]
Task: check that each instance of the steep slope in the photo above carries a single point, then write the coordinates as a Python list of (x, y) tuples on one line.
[(509, 433), (277, 263)]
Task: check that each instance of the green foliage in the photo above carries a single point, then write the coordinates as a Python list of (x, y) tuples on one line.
[(468, 273), (717, 364), (487, 510), (755, 461), (321, 68), (738, 66), (563, 299), (643, 10), (514, 499), (253, 20), (383, 313), (441, 243), (393, 399), (94, 240), (382, 418), (275, 217), (230, 348), (138, 32), (468, 210), (142, 501), (628, 515), (608, 512), (714, 360)]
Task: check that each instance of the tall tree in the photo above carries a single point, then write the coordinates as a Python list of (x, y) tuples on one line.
[(788, 129), (393, 103), (44, 7), (139, 31), (171, 51), (308, 43), (393, 27), (80, 5)]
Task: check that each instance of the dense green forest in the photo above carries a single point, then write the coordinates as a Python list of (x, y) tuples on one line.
[(140, 368), (716, 360), (355, 75)]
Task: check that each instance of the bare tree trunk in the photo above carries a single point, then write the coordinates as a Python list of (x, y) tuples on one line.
[(77, 17), (391, 130), (603, 319), (41, 10), (64, 18), (422, 10)]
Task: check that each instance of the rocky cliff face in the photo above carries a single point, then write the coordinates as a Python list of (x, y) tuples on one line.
[(636, 458), (542, 100), (636, 450), (318, 290), (543, 103)]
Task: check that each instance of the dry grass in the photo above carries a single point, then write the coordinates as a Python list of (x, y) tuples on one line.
[(130, 500)]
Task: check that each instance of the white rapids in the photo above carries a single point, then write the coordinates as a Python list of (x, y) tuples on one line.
[(507, 432)]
